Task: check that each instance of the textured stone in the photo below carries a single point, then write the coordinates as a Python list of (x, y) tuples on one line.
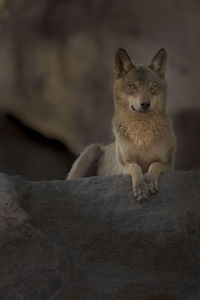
[(89, 239), (26, 152)]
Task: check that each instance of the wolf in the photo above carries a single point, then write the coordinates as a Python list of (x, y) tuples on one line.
[(145, 142)]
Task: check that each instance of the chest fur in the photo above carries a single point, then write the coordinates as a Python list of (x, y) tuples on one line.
[(143, 141), (144, 156)]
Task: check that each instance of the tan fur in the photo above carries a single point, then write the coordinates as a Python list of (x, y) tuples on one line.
[(145, 143), (86, 162)]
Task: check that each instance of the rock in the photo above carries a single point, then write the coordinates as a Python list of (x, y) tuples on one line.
[(26, 152), (56, 61), (89, 239)]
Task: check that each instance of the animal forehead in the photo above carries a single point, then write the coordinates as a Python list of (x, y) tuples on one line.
[(143, 74)]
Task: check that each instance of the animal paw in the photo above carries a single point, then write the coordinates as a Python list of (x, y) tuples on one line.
[(140, 191)]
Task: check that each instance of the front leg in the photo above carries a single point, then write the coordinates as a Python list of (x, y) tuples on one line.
[(140, 189), (153, 175), (156, 168)]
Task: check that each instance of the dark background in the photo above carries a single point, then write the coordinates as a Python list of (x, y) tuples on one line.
[(56, 60)]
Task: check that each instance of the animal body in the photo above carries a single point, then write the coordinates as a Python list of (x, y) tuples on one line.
[(145, 143)]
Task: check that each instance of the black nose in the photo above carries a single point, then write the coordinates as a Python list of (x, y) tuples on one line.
[(145, 105)]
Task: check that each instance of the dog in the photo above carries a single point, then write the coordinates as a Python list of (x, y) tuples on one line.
[(145, 142)]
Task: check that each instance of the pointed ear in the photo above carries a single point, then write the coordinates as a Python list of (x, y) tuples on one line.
[(159, 62), (123, 63)]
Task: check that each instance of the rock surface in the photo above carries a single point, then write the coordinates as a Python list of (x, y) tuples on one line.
[(89, 239), (26, 152)]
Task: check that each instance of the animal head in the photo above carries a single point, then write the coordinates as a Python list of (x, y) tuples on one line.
[(141, 89)]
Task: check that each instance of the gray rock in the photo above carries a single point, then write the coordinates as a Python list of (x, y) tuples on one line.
[(26, 152), (89, 239)]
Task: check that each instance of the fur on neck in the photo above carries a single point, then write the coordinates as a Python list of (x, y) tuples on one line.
[(142, 129)]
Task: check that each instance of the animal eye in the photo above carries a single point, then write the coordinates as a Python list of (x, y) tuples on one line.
[(132, 85), (154, 86)]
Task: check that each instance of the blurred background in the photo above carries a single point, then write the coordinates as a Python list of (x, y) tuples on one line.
[(56, 60)]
